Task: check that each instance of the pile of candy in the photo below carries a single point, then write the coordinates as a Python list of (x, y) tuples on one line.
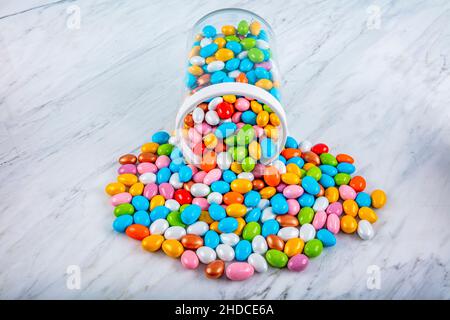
[(238, 54), (235, 221), (233, 128)]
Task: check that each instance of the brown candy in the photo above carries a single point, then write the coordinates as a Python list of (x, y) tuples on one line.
[(311, 157), (188, 121), (147, 157), (258, 184), (191, 241), (287, 220), (128, 159), (275, 242), (215, 269)]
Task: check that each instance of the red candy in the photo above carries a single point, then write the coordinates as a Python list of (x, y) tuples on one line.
[(182, 196), (137, 231), (225, 110), (320, 148), (358, 183)]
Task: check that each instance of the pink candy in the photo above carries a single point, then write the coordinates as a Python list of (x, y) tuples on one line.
[(236, 117), (333, 223), (201, 202), (150, 190), (189, 259), (242, 104), (127, 168), (239, 271), (346, 192), (123, 197), (293, 207), (162, 161), (145, 167), (166, 190), (299, 262), (293, 191), (320, 218), (336, 208), (212, 176), (199, 176)]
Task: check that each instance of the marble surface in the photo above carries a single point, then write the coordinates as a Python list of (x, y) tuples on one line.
[(370, 78)]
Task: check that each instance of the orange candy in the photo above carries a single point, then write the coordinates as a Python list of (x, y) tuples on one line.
[(272, 176), (208, 161), (137, 231), (290, 153), (358, 183), (242, 78), (344, 158), (233, 197)]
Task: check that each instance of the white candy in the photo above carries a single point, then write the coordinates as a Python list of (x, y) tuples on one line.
[(287, 233), (212, 118), (246, 176), (199, 190), (262, 44), (242, 55), (173, 140), (365, 230), (263, 203), (214, 197), (224, 160), (197, 61), (199, 228), (234, 74), (175, 232), (267, 214), (215, 66), (148, 177), (321, 204), (214, 102), (175, 181), (205, 41), (225, 252), (172, 205), (258, 262), (230, 239), (259, 244), (206, 254), (281, 167), (159, 226), (307, 232), (198, 115), (305, 146)]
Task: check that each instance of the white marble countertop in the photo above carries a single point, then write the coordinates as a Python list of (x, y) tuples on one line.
[(369, 78)]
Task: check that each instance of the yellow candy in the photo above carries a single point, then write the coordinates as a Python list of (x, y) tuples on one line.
[(220, 42), (231, 98), (215, 226), (254, 150), (228, 30), (236, 167), (114, 188), (256, 106), (264, 83), (271, 132), (294, 246), (151, 147), (136, 189), (332, 194), (262, 119), (205, 217), (267, 192), (290, 178), (195, 51), (153, 242), (348, 224), (210, 140), (241, 225), (293, 168), (365, 213), (195, 70), (173, 248), (236, 210), (274, 120), (255, 28), (241, 185), (224, 54), (157, 201), (350, 207), (308, 166), (127, 179), (210, 59), (378, 198)]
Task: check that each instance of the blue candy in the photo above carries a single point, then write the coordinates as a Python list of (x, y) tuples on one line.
[(363, 199), (252, 198), (176, 153), (221, 187), (176, 164), (191, 214), (217, 77), (248, 117), (276, 93), (246, 65), (262, 73), (211, 239), (251, 77), (217, 212), (263, 35), (163, 175), (209, 31), (296, 160), (282, 159), (279, 204), (228, 79), (291, 143), (232, 64), (228, 225), (328, 239), (142, 217), (242, 250), (310, 185), (225, 130), (160, 137), (346, 167), (268, 148), (209, 50), (329, 170), (270, 227), (253, 215), (121, 223), (185, 174), (191, 81), (306, 200), (327, 181), (234, 46), (140, 203), (159, 212)]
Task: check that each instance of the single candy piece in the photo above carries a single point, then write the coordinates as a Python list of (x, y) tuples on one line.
[(276, 258), (189, 260), (215, 269), (153, 242), (190, 214), (365, 230), (326, 237), (298, 263), (348, 224), (378, 198), (313, 248), (238, 271)]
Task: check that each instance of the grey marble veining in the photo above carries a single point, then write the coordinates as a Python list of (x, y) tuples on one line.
[(369, 78)]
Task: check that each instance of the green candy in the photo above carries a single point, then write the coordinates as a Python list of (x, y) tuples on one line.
[(174, 219), (242, 27), (124, 208), (245, 135), (342, 178), (267, 108), (248, 164), (165, 149), (329, 159), (276, 258), (231, 140), (238, 153), (248, 43), (313, 248), (255, 55), (184, 206), (232, 38), (306, 215), (302, 173), (315, 172), (251, 230)]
